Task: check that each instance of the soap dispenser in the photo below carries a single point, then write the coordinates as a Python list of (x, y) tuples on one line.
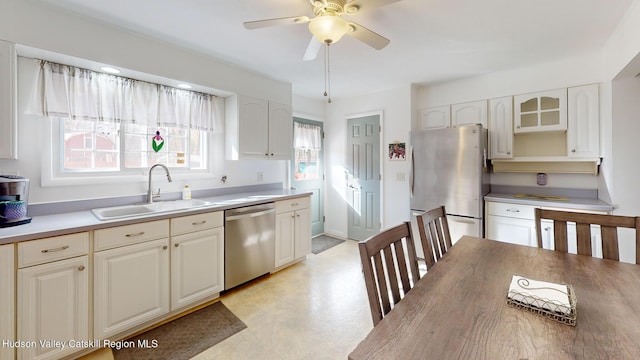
[(186, 193)]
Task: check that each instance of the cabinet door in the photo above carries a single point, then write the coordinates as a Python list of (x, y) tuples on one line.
[(280, 131), (583, 127), (7, 303), (501, 127), (53, 304), (8, 121), (197, 268), (253, 127), (543, 111), (302, 233), (434, 118), (470, 113), (512, 230), (285, 236), (131, 286)]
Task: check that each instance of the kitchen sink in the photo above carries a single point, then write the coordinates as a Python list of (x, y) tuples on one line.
[(119, 212)]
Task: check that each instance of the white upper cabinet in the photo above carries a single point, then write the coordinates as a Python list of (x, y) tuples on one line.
[(257, 129), (469, 113), (583, 133), (8, 123), (280, 131), (434, 118), (501, 127), (543, 111)]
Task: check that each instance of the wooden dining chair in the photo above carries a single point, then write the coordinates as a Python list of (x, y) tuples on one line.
[(609, 225), (390, 268), (434, 234)]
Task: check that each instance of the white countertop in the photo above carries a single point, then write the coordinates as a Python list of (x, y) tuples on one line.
[(72, 222)]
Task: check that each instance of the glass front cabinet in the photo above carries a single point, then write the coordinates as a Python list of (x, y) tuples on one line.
[(543, 111)]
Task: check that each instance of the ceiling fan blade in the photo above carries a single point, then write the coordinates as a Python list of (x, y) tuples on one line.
[(367, 36), (312, 50), (357, 6), (275, 22)]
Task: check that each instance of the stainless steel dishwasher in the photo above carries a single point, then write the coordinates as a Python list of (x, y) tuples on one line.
[(249, 243)]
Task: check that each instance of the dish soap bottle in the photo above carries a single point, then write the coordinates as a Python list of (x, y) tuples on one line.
[(186, 193)]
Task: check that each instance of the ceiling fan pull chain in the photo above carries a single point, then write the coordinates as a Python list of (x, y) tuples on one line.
[(328, 73), (325, 69)]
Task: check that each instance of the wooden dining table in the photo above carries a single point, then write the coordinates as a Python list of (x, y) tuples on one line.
[(458, 309)]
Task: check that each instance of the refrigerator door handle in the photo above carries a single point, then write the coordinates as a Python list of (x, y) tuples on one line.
[(411, 171), (484, 158)]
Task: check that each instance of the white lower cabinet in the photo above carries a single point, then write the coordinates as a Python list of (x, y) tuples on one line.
[(196, 270), (293, 230), (7, 303), (53, 296), (515, 223), (302, 238), (512, 230), (131, 286)]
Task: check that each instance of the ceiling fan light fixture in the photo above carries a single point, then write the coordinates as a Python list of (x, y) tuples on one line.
[(328, 28)]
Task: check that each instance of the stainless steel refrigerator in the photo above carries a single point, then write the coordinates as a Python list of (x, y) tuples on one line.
[(449, 167)]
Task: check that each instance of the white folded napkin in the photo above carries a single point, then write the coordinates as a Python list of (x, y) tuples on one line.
[(541, 294)]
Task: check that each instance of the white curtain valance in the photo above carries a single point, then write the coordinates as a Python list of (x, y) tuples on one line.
[(84, 94), (307, 136)]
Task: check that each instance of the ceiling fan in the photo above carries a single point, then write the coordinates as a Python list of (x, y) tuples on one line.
[(328, 26)]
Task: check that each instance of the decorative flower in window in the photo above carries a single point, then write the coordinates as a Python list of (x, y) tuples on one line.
[(157, 142)]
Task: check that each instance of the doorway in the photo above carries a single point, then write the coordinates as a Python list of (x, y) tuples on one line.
[(363, 166), (307, 171)]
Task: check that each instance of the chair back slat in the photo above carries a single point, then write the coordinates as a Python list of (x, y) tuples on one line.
[(392, 275), (560, 236), (608, 224), (390, 268), (583, 235), (434, 234), (610, 243), (402, 267)]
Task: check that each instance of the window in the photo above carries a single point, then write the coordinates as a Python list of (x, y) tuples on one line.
[(107, 123), (90, 146)]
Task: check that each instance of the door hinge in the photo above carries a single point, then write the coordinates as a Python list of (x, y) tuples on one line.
[(380, 177), (324, 219), (322, 135), (323, 177)]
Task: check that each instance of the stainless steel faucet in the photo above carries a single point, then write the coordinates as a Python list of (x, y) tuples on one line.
[(150, 194)]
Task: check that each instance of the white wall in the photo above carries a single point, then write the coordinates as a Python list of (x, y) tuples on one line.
[(621, 60), (396, 123), (579, 70), (38, 25)]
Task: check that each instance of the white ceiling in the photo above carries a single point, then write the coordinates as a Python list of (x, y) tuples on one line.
[(431, 40)]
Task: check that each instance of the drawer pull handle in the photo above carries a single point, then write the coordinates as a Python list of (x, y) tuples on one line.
[(513, 210), (81, 267), (165, 247), (294, 204), (199, 222), (65, 247), (136, 234)]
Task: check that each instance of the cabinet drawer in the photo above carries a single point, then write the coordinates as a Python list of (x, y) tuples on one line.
[(130, 234), (293, 204), (51, 249), (511, 210), (191, 223)]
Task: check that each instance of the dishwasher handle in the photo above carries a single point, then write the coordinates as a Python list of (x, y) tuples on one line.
[(249, 214)]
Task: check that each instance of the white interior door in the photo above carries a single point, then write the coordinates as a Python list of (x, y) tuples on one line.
[(363, 165)]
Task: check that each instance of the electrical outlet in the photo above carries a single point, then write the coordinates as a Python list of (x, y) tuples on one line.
[(260, 176)]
